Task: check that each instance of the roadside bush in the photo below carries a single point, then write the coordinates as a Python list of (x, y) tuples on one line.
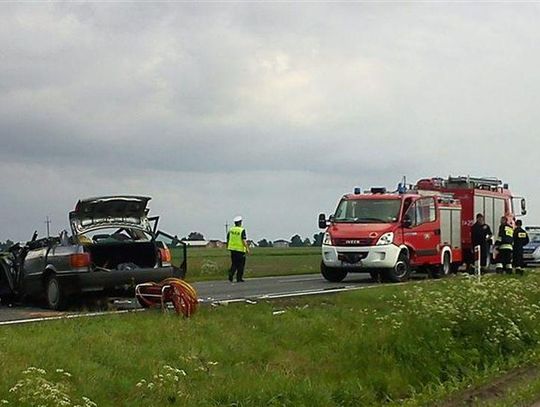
[(38, 388)]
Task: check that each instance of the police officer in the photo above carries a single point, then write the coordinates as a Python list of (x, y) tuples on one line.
[(521, 239), (481, 236), (238, 246), (505, 240)]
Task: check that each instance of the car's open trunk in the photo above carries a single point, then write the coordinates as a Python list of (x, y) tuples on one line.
[(123, 255)]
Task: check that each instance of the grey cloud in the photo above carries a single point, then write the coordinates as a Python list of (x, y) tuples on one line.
[(300, 101)]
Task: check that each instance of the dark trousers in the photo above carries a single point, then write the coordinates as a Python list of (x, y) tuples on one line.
[(518, 258), (238, 262), (484, 252), (504, 259)]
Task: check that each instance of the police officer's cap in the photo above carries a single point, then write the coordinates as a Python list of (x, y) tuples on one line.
[(237, 219)]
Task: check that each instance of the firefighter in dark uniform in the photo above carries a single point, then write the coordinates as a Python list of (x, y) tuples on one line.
[(521, 239), (504, 244), (481, 236), (238, 246)]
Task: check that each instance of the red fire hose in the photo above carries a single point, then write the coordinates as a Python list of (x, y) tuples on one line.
[(182, 295)]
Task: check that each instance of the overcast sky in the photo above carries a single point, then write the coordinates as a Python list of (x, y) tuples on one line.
[(271, 111)]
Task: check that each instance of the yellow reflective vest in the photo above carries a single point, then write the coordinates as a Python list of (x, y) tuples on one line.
[(506, 234), (236, 242)]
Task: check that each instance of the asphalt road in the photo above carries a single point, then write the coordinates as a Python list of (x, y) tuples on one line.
[(208, 292)]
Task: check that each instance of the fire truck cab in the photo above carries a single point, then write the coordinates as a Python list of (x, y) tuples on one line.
[(425, 227)]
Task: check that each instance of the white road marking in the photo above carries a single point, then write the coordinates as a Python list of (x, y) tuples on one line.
[(300, 279), (71, 316)]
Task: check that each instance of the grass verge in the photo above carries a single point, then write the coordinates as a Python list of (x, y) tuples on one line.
[(396, 345), (213, 264)]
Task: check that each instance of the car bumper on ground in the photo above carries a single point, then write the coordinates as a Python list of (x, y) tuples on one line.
[(360, 257), (101, 280)]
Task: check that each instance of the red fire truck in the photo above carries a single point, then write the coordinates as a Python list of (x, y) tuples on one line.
[(422, 227)]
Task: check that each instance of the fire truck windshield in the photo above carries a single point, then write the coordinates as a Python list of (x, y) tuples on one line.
[(367, 211)]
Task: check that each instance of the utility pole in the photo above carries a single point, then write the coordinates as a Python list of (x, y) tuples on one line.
[(226, 229), (48, 223)]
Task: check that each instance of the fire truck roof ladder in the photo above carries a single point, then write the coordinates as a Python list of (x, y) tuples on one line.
[(476, 182)]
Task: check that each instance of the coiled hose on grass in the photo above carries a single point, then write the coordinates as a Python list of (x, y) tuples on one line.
[(178, 292)]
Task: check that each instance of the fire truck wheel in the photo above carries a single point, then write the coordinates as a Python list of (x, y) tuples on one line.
[(401, 270), (444, 269), (332, 274)]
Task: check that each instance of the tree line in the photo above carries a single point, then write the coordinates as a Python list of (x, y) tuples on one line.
[(6, 245), (296, 241)]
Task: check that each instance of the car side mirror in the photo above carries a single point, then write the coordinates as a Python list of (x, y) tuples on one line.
[(523, 206), (407, 223), (322, 221)]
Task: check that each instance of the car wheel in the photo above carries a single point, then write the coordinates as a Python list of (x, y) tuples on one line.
[(401, 270), (55, 293), (332, 274)]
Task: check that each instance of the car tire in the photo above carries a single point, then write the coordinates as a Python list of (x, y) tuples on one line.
[(333, 274), (55, 293), (401, 270)]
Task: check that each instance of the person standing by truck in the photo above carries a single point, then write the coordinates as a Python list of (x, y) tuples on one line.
[(238, 246), (521, 239), (505, 241), (481, 236)]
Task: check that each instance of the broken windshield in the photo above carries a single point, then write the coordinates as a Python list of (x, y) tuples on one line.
[(367, 211)]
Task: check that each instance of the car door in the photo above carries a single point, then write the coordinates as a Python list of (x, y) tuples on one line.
[(424, 235), (33, 267)]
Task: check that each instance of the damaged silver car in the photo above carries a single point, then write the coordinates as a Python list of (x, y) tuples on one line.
[(113, 246)]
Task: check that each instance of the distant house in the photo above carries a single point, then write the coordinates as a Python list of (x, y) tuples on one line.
[(216, 244), (196, 243), (281, 243)]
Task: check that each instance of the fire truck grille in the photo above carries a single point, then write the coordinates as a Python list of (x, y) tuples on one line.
[(364, 241), (352, 257)]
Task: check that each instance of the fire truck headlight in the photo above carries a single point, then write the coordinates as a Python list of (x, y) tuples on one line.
[(386, 239), (327, 240)]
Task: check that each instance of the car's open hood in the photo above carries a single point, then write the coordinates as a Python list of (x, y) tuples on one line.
[(110, 211)]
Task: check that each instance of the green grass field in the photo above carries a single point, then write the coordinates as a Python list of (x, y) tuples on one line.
[(211, 264), (393, 345)]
